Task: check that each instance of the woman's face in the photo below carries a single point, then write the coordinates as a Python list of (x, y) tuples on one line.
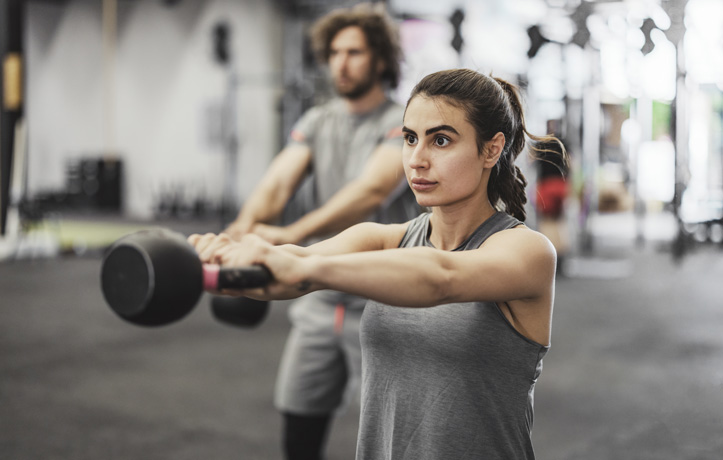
[(441, 158)]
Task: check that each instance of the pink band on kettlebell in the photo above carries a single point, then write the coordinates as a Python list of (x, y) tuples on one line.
[(210, 277)]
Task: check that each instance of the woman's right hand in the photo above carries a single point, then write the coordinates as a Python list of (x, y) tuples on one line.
[(289, 270), (210, 246)]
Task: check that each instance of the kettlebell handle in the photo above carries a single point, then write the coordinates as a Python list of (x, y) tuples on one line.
[(216, 278)]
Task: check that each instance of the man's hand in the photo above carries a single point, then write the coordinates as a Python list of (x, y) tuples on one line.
[(271, 195), (237, 229), (275, 235)]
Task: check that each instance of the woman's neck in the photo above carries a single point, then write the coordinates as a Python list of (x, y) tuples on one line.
[(452, 225)]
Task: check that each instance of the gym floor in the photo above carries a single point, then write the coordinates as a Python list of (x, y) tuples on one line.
[(635, 370)]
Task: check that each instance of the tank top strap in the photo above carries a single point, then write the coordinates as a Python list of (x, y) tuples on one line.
[(496, 223), (417, 233)]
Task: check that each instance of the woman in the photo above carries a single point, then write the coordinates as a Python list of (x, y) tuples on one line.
[(461, 298)]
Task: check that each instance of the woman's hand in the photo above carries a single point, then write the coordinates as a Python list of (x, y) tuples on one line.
[(210, 246), (288, 269)]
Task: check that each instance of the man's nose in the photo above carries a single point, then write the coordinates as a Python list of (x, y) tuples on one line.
[(339, 61)]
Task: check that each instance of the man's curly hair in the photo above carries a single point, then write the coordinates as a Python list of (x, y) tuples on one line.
[(380, 30)]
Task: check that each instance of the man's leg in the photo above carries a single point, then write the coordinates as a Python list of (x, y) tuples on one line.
[(312, 379), (305, 436)]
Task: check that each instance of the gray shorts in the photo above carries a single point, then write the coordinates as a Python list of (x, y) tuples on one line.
[(321, 366)]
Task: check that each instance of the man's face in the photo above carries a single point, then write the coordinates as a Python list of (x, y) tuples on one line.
[(352, 64)]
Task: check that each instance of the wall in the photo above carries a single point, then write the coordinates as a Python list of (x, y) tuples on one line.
[(165, 90)]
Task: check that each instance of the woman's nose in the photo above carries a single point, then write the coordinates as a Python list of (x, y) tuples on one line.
[(418, 157)]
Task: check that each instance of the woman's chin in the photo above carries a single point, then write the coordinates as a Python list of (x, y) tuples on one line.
[(426, 203)]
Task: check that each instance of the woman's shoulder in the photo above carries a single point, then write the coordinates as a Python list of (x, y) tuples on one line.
[(522, 241)]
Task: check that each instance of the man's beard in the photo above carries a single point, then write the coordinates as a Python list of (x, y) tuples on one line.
[(360, 89)]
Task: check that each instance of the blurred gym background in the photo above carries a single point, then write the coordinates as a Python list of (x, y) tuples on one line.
[(119, 115)]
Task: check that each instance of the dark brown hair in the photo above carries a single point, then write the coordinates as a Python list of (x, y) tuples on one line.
[(492, 105), (379, 29)]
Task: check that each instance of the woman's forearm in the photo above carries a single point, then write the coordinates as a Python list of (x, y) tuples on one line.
[(420, 277)]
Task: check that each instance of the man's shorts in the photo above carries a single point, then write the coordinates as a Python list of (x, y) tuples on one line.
[(320, 369)]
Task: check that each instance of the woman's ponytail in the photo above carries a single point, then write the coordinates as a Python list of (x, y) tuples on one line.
[(507, 183)]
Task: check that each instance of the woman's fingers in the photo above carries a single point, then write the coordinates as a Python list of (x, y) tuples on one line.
[(250, 250), (199, 242), (223, 250), (192, 239), (207, 245), (287, 269)]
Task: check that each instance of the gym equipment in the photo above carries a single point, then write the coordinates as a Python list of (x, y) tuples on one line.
[(239, 311), (154, 277)]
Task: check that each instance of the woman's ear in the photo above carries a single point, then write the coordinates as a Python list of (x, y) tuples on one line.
[(493, 150)]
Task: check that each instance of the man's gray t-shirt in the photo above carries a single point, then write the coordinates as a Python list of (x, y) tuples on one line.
[(341, 143), (454, 381)]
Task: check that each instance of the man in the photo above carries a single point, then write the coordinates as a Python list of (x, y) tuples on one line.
[(352, 146)]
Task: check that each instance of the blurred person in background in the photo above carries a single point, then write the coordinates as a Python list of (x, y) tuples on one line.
[(552, 191), (352, 147)]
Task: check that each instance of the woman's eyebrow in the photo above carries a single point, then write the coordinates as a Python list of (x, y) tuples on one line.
[(441, 128), (432, 130)]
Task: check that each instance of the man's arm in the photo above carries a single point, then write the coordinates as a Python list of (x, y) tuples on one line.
[(350, 205), (277, 186)]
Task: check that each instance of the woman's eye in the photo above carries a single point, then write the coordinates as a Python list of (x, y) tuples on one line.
[(441, 141), (410, 139)]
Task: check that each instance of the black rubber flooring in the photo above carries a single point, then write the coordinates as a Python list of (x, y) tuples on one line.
[(635, 371)]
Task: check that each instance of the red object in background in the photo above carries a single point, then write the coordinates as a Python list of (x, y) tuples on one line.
[(551, 194)]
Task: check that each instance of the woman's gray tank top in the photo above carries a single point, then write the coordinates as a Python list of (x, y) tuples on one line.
[(454, 381)]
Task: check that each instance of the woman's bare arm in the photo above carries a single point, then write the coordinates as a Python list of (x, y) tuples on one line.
[(516, 264), (286, 261)]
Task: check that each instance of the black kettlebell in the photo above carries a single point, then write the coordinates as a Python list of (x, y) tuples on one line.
[(154, 277), (241, 312)]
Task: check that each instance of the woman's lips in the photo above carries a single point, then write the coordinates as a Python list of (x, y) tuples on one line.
[(423, 185)]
